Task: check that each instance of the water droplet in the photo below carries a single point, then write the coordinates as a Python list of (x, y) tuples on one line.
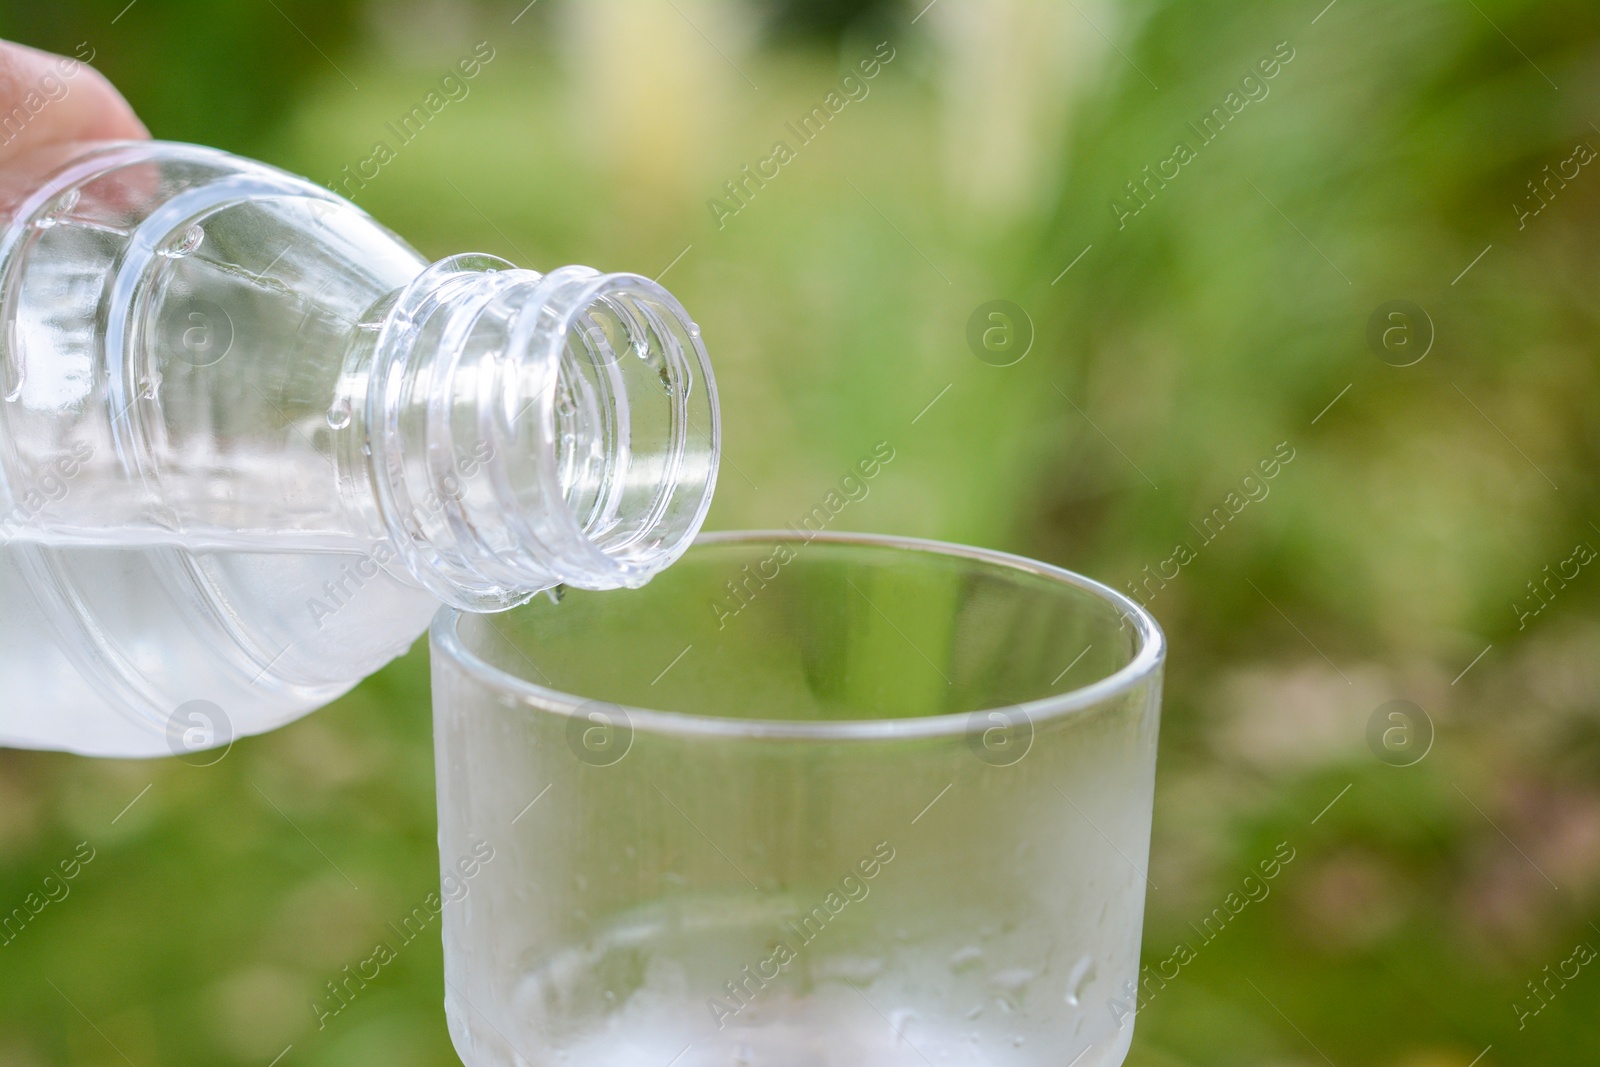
[(965, 957), (1012, 980), (57, 208), (1081, 970), (184, 244), (1012, 985), (1017, 1041), (694, 329), (339, 414)]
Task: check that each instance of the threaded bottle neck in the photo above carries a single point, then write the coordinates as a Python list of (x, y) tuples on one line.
[(523, 429)]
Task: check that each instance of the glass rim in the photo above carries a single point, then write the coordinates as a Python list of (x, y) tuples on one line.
[(1146, 661)]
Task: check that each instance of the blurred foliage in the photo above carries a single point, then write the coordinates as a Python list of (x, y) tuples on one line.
[(824, 20), (1227, 316), (198, 70)]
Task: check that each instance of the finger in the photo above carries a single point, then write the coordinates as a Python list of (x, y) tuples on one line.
[(46, 99)]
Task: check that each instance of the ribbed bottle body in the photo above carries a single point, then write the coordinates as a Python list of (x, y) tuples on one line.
[(175, 537), (250, 440)]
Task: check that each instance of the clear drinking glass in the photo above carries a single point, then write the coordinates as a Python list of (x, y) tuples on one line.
[(800, 801)]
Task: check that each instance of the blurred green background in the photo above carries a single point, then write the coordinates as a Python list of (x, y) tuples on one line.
[(1222, 313)]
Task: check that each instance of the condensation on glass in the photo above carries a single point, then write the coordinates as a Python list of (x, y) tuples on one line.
[(836, 802)]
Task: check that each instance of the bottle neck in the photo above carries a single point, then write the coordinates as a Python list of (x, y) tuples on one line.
[(520, 430)]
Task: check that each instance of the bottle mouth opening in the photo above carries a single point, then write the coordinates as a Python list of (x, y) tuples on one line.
[(631, 424), (527, 430)]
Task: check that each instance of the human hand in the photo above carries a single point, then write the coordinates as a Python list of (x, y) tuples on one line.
[(48, 99)]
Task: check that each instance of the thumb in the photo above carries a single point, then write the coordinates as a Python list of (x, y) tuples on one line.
[(46, 99)]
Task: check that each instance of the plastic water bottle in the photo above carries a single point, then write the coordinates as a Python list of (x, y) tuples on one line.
[(250, 440)]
